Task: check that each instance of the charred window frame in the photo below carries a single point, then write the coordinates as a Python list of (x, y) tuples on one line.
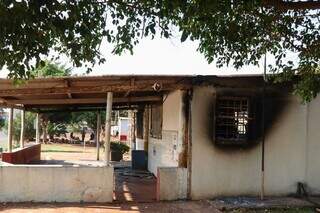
[(234, 119), (156, 121)]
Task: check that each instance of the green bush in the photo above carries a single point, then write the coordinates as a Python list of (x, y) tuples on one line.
[(119, 147)]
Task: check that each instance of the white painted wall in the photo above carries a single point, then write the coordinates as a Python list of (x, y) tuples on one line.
[(312, 176), (292, 150), (165, 152), (55, 183)]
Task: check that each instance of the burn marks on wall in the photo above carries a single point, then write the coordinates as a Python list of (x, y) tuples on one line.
[(238, 115)]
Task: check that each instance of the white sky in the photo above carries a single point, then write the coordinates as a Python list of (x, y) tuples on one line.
[(159, 56)]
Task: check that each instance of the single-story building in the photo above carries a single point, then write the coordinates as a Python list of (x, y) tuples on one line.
[(205, 136)]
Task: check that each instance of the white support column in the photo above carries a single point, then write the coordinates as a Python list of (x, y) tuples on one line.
[(98, 134), (10, 128), (22, 129), (38, 128), (108, 127)]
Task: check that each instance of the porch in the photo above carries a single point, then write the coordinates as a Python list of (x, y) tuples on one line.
[(88, 179)]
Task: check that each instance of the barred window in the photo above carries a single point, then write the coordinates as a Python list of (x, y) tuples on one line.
[(232, 120)]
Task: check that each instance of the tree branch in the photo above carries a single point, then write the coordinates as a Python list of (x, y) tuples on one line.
[(292, 5)]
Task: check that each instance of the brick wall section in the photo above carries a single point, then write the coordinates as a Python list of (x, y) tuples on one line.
[(25, 155)]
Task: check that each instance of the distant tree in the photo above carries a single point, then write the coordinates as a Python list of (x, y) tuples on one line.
[(51, 69), (81, 120), (52, 122), (90, 118), (56, 129), (29, 124)]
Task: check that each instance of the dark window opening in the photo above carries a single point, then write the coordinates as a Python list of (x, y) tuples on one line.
[(156, 121), (232, 120), (139, 124)]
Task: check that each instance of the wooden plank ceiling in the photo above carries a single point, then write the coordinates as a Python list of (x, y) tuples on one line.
[(80, 93)]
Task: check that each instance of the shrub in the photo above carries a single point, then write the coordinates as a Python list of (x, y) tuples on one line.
[(119, 147)]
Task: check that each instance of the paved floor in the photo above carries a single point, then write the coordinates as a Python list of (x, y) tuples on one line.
[(134, 186)]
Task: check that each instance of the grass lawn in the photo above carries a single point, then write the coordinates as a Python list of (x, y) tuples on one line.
[(66, 148)]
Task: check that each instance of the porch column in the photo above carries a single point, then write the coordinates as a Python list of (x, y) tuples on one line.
[(132, 138), (22, 129), (108, 127), (98, 134), (146, 128), (10, 128), (38, 128)]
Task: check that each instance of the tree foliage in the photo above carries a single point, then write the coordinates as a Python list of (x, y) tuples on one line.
[(50, 69), (229, 32), (86, 119)]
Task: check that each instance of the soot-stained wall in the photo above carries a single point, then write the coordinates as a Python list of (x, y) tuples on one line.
[(290, 148)]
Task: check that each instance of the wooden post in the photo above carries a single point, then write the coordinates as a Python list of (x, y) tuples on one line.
[(98, 134), (38, 128), (146, 128), (131, 115), (22, 129), (108, 127), (183, 155), (45, 133), (84, 139), (10, 128)]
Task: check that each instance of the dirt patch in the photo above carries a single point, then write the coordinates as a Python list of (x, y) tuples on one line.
[(161, 207), (254, 204)]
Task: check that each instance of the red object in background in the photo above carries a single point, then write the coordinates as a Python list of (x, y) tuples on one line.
[(23, 156), (123, 138)]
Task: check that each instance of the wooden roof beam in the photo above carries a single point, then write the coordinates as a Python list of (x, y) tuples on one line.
[(92, 89), (85, 101)]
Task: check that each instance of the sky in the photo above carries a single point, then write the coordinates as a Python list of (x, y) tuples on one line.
[(156, 57)]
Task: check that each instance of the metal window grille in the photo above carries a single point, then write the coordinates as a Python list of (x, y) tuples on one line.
[(232, 119)]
